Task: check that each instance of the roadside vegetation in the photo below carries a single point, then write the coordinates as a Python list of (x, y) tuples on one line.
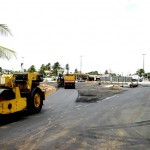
[(49, 70), (6, 53)]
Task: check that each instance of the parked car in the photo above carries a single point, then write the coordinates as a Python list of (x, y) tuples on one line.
[(81, 80), (133, 83)]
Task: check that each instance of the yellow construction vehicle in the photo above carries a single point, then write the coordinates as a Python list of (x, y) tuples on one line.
[(20, 91), (60, 81), (69, 81)]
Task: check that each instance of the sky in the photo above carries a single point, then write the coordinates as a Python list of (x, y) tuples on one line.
[(90, 35)]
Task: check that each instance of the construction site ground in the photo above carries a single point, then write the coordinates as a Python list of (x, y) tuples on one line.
[(90, 117), (90, 91)]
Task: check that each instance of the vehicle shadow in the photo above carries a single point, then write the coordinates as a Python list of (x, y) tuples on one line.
[(10, 118)]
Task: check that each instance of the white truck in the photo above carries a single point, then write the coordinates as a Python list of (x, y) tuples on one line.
[(129, 82)]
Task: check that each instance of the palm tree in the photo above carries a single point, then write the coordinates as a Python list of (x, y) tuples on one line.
[(5, 52), (67, 68)]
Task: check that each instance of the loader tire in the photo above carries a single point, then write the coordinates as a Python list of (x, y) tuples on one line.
[(35, 102)]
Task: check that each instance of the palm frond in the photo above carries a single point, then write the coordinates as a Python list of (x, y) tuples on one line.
[(6, 53), (4, 30)]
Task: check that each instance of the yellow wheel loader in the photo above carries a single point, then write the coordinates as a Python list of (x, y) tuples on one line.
[(20, 91), (60, 81)]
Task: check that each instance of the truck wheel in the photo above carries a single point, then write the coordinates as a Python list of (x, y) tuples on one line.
[(35, 102)]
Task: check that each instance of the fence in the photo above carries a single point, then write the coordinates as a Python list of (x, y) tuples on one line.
[(115, 79)]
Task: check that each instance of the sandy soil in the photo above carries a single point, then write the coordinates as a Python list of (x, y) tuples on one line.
[(49, 89)]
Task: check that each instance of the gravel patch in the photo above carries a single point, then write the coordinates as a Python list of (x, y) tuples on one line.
[(92, 92)]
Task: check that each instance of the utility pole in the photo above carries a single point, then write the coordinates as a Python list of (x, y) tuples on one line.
[(22, 63), (143, 61)]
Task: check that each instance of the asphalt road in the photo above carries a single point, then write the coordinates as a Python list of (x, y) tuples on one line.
[(120, 122)]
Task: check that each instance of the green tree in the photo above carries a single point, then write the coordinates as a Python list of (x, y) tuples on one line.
[(48, 66), (106, 72), (140, 72), (55, 67), (93, 73), (32, 69), (25, 70), (5, 52), (113, 74), (76, 71), (42, 69), (67, 68)]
